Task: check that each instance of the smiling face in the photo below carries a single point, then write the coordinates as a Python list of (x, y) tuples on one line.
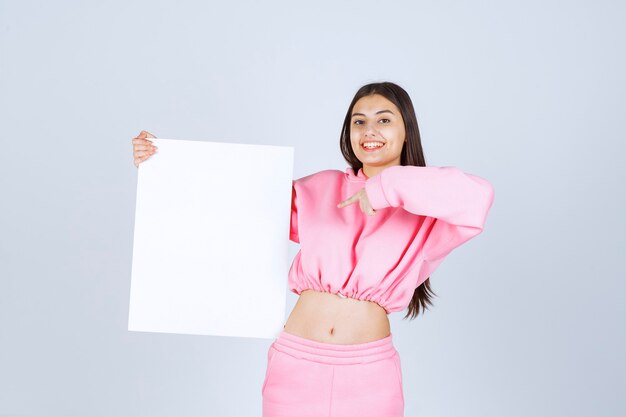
[(377, 133)]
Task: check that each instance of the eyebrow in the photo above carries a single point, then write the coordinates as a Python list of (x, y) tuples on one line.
[(378, 112)]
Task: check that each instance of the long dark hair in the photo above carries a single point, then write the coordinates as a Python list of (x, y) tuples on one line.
[(412, 154)]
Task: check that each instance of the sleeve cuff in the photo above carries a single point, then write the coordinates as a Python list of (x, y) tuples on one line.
[(375, 193)]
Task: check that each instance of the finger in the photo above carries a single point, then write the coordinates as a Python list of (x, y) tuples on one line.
[(145, 134), (144, 147), (150, 149), (347, 201), (362, 206), (141, 141), (144, 153), (140, 159), (366, 206)]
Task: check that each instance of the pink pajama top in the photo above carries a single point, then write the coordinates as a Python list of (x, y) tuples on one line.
[(422, 214)]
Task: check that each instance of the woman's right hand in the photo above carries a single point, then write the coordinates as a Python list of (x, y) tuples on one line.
[(142, 147)]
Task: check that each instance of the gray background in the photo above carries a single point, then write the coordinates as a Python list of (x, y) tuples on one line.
[(529, 318)]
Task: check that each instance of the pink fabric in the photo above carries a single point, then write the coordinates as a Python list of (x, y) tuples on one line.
[(307, 378), (423, 213)]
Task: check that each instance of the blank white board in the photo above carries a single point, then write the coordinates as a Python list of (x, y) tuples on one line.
[(211, 233)]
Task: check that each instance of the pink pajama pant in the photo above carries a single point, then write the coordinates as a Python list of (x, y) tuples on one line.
[(307, 378)]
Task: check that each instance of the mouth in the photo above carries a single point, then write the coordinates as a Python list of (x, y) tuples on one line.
[(372, 145)]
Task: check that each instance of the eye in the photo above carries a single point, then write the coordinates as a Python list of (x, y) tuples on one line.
[(385, 119), (356, 122)]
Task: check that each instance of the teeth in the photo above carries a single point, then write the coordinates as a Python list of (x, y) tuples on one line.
[(372, 144)]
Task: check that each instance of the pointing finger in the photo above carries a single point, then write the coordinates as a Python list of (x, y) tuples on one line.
[(347, 201)]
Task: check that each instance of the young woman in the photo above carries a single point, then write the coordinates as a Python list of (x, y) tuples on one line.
[(369, 239)]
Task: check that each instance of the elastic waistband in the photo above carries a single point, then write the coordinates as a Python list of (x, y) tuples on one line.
[(331, 353)]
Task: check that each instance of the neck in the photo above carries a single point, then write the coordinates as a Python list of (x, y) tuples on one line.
[(371, 170)]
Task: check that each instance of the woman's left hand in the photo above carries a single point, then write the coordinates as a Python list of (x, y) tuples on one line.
[(364, 202)]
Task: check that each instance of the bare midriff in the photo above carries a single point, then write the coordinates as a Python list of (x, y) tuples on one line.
[(330, 318)]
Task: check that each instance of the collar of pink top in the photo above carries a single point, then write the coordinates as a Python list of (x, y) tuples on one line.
[(360, 176)]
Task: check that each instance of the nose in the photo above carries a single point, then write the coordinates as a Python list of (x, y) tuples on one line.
[(371, 130)]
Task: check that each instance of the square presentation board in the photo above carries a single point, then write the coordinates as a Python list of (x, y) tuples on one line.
[(211, 234)]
